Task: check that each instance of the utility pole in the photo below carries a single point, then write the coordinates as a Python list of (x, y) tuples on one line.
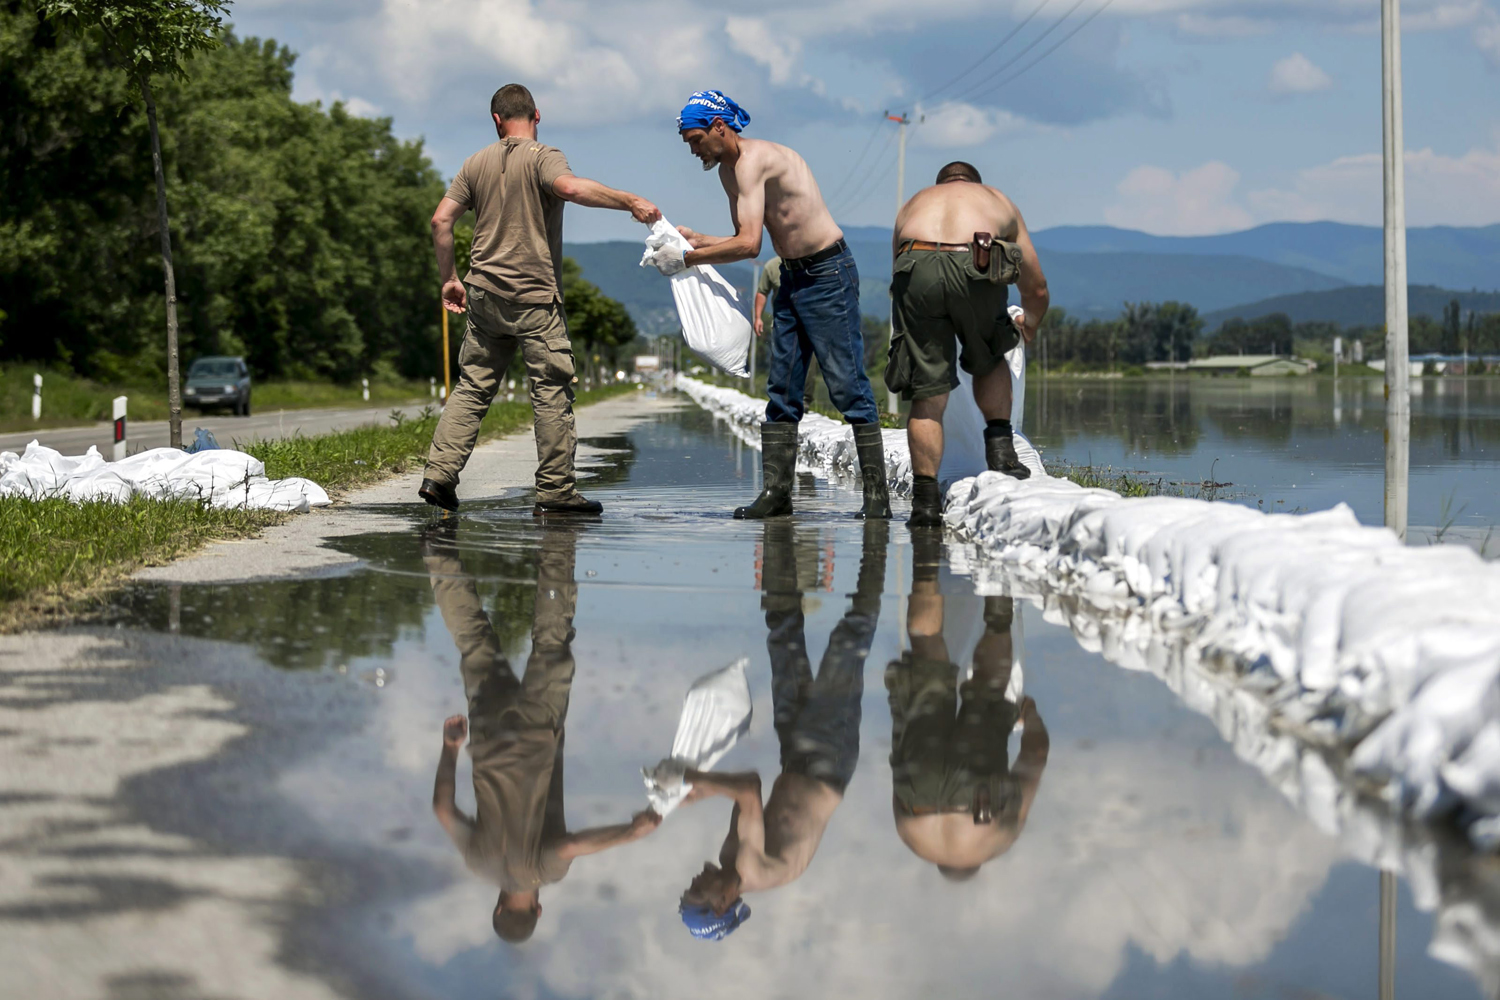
[(754, 338), (1397, 368), (893, 401), (1397, 372)]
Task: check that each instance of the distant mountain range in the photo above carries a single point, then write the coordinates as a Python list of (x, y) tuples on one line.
[(1313, 270), (1356, 305)]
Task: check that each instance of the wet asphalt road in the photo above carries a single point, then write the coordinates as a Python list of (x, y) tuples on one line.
[(226, 429)]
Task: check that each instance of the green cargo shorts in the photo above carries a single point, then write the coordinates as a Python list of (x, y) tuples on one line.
[(939, 304)]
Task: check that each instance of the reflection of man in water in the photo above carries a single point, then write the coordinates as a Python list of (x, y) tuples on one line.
[(817, 723), (958, 802), (519, 838)]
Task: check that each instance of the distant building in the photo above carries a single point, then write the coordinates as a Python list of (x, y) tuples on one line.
[(647, 363), (1255, 364)]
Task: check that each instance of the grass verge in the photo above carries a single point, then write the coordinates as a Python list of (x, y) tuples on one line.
[(58, 558)]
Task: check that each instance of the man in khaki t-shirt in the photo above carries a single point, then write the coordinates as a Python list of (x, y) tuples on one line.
[(513, 295), (518, 838)]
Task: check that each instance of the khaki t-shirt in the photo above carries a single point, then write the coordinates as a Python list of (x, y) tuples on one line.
[(770, 279), (513, 840), (517, 251)]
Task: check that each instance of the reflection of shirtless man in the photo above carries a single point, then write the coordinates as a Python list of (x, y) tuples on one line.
[(816, 308), (958, 801), (817, 725), (942, 301)]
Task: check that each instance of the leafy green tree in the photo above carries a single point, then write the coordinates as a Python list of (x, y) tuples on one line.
[(596, 322), (152, 38)]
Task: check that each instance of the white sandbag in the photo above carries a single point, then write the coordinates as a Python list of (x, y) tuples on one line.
[(219, 478), (715, 714), (714, 322), (963, 424)]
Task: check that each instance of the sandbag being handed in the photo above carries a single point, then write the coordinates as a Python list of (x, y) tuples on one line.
[(713, 320), (715, 714)]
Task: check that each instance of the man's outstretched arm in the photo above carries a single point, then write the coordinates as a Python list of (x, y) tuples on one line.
[(602, 838), (747, 210), (1032, 283), (592, 194), (448, 212)]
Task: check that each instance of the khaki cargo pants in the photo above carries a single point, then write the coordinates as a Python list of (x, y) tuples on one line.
[(496, 329)]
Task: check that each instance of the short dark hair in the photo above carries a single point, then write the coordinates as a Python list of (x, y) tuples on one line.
[(512, 101), (958, 170), (949, 872), (514, 926)]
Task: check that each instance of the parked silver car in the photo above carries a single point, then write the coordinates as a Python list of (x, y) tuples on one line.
[(219, 381)]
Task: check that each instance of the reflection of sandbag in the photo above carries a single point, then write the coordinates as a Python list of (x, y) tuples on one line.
[(715, 714), (713, 322)]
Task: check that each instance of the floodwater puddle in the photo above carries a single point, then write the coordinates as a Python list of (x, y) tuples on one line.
[(954, 792)]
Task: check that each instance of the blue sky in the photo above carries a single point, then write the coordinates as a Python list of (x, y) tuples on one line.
[(1172, 116)]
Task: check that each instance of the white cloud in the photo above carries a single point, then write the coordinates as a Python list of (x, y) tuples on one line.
[(1297, 74), (1192, 203), (954, 124), (1487, 37), (1440, 190)]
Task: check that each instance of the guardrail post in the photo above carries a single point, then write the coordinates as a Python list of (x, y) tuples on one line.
[(119, 414), (36, 397), (365, 389)]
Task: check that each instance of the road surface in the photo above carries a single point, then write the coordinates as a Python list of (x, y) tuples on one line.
[(226, 429)]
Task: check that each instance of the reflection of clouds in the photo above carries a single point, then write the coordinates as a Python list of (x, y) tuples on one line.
[(1128, 845)]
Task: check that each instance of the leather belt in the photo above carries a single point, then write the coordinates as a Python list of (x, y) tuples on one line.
[(929, 245), (803, 263)]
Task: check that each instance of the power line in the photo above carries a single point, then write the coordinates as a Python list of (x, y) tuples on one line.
[(864, 181), (1056, 45), (985, 58), (858, 160), (867, 190), (1017, 57)]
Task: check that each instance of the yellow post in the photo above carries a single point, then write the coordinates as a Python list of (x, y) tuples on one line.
[(447, 382)]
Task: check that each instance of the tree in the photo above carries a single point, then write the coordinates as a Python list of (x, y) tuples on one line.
[(595, 321), (152, 38)]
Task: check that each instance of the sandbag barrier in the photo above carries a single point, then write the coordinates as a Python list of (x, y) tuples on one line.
[(1383, 656)]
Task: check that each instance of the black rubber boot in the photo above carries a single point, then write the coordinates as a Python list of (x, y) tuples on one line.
[(926, 503), (1000, 453), (438, 494), (870, 447), (871, 584), (778, 466), (577, 504)]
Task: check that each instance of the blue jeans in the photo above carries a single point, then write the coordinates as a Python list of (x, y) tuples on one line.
[(817, 314)]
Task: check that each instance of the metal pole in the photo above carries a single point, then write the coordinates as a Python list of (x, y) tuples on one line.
[(1397, 373), (1387, 936), (754, 341), (893, 402)]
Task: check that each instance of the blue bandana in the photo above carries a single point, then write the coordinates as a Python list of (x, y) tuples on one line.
[(706, 105), (706, 925)]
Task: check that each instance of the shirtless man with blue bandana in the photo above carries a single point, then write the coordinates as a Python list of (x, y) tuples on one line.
[(771, 189)]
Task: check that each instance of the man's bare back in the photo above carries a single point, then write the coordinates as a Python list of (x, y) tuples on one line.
[(794, 214), (954, 212), (770, 845)]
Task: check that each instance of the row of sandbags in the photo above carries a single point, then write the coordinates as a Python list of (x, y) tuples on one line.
[(216, 477)]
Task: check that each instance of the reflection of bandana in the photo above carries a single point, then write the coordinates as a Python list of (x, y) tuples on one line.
[(706, 925), (706, 105)]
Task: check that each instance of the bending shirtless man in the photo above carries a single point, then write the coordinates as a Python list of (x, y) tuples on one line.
[(816, 307), (942, 300)]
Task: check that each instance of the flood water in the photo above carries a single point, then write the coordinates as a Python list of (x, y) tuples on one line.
[(1128, 853), (1288, 444)]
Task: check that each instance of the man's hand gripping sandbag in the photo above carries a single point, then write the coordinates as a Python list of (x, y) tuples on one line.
[(715, 714), (714, 323)]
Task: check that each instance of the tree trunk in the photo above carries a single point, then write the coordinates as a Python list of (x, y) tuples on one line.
[(174, 393)]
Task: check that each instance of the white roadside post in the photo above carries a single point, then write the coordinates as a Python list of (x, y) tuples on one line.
[(119, 414), (364, 386), (432, 387), (36, 397), (1397, 399)]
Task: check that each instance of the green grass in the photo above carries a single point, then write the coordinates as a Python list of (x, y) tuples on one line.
[(57, 558), (68, 399), (1126, 484)]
